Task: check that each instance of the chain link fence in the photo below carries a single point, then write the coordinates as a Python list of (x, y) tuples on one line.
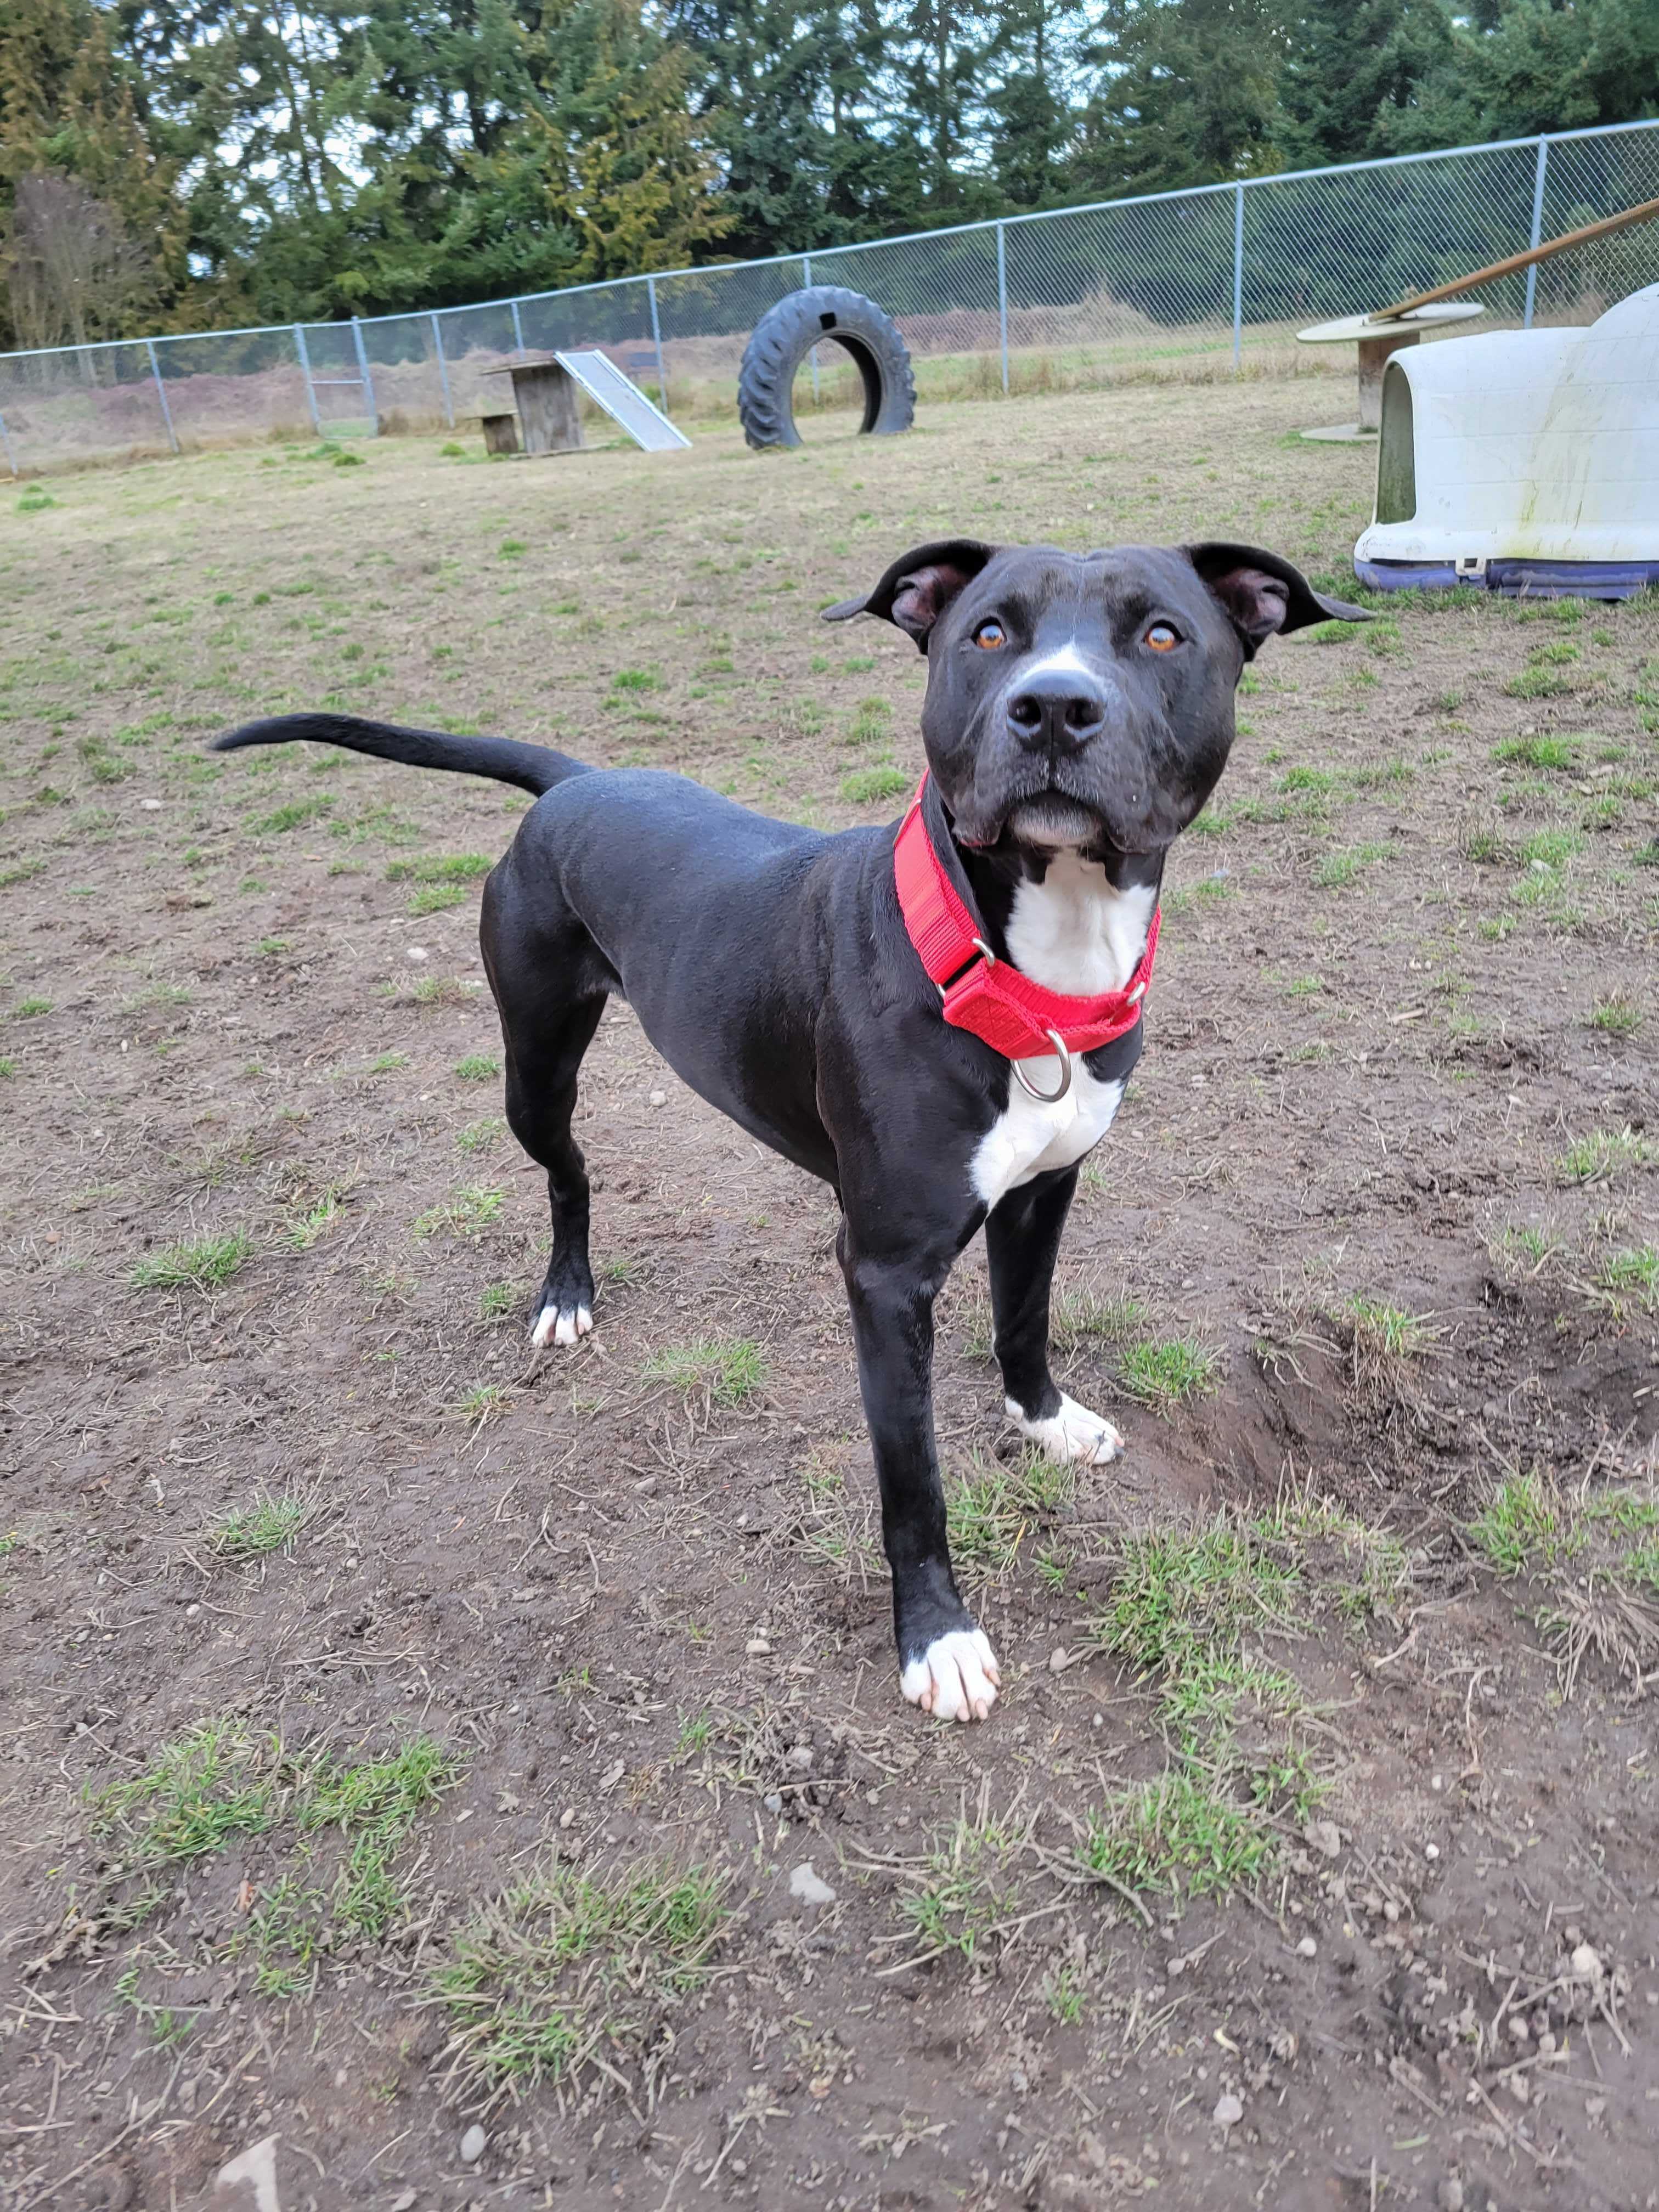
[(1190, 285)]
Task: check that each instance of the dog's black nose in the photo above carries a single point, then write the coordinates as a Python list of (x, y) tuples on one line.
[(1057, 713)]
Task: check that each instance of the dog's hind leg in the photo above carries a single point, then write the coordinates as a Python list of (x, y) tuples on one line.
[(1022, 1241), (541, 1095)]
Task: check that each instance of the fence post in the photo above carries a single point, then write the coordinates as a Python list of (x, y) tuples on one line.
[(367, 380), (5, 441), (443, 370), (1537, 229), (1002, 302), (806, 280), (299, 347), (518, 326), (161, 394), (656, 340), (1238, 277)]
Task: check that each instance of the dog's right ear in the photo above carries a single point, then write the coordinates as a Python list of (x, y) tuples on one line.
[(919, 586)]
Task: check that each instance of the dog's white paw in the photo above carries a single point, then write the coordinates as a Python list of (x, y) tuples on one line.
[(956, 1679), (560, 1325), (1073, 1433)]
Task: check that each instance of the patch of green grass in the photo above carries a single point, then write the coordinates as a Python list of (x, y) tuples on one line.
[(479, 1136), (1616, 1015), (215, 1782), (8, 1068), (200, 1264), (21, 871), (868, 784), (1524, 1526), (249, 1532), (436, 898), (1341, 867), (1551, 848), (567, 1966), (315, 1221), (1179, 1831), (873, 723), (294, 815), (727, 1372), (1538, 684), (271, 947), (102, 765), (1602, 1155), (28, 1010), (498, 1301), (636, 679), (387, 1063), (468, 1213), (441, 868), (1632, 1274), (1164, 1372), (1537, 752), (483, 1403), (35, 501), (1307, 778), (967, 1888), (477, 1067), (994, 1506)]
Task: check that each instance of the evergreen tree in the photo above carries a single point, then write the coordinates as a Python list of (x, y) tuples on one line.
[(1350, 77), (68, 113), (1187, 94)]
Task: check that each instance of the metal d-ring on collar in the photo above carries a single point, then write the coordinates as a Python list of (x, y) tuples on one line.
[(1049, 1097)]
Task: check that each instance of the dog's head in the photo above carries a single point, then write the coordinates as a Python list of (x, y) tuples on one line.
[(1085, 700)]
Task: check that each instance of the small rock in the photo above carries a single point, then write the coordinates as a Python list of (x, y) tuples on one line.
[(472, 2145), (414, 951), (568, 1816), (773, 1802), (1450, 2195), (251, 2178), (402, 2201), (658, 1098), (1431, 1850), (150, 805), (809, 1887), (1307, 1948), (1324, 1837), (1594, 2107), (1228, 2112), (1585, 1964), (799, 1756), (1519, 2032), (1058, 1660), (757, 1648)]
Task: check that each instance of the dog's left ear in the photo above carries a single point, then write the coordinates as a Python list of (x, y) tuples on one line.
[(919, 586), (1261, 594)]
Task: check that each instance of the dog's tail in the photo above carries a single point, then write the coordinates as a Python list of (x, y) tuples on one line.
[(533, 768)]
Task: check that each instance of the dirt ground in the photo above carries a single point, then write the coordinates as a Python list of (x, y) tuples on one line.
[(410, 1745)]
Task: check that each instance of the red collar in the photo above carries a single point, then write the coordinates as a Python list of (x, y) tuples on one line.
[(987, 996)]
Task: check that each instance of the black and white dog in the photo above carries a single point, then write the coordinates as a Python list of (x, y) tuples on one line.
[(940, 1019)]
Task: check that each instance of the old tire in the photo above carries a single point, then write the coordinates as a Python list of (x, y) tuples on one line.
[(784, 336)]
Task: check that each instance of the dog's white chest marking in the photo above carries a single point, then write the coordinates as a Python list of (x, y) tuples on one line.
[(1072, 933)]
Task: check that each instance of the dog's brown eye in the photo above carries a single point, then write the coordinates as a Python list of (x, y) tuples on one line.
[(1162, 638), (990, 635)]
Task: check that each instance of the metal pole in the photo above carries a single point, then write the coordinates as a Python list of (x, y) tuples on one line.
[(305, 371), (656, 339), (1537, 229), (806, 279), (161, 394), (1238, 276), (367, 382), (1002, 301), (11, 457), (518, 326), (443, 370)]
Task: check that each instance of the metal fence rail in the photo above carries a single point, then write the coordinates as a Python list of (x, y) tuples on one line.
[(1182, 284)]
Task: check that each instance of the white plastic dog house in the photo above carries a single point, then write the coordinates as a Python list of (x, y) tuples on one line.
[(1524, 461)]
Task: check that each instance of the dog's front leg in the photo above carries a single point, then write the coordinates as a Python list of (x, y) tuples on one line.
[(1021, 1241), (946, 1665)]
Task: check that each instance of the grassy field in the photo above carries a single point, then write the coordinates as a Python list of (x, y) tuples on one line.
[(413, 1745)]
